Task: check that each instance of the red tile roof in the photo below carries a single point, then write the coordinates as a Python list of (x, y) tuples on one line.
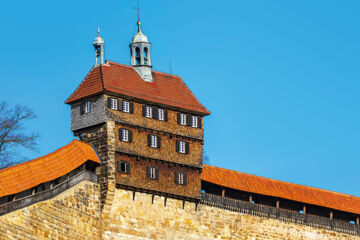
[(122, 79), (270, 187), (26, 175)]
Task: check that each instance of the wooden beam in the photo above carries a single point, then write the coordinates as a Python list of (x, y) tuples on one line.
[(223, 193), (134, 195), (331, 215), (357, 221), (277, 203), (304, 209), (250, 199)]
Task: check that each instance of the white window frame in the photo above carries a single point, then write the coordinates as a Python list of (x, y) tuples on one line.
[(194, 121), (161, 115), (126, 106), (148, 112), (113, 104), (182, 147), (182, 119), (125, 135), (152, 173), (87, 107), (153, 141), (180, 177), (123, 163)]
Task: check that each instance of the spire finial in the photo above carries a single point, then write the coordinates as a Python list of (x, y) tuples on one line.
[(138, 13)]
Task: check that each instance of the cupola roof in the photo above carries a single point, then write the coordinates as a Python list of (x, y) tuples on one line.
[(98, 40), (139, 36)]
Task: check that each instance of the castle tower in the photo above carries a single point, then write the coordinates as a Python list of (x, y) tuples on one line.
[(146, 126)]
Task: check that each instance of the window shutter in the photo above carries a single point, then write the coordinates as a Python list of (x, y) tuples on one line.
[(119, 105), (148, 172), (130, 135), (158, 139), (165, 115), (199, 122), (131, 107), (188, 120), (185, 178), (176, 177), (82, 108), (149, 140), (109, 102), (177, 145), (156, 173), (187, 148), (178, 118), (127, 167), (155, 113), (144, 110), (120, 134)]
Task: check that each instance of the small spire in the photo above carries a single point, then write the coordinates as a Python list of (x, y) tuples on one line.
[(139, 26), (98, 31)]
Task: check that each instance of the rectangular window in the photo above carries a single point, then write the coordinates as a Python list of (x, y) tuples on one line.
[(182, 119), (152, 172), (148, 112), (125, 135), (153, 142), (161, 114), (87, 107), (180, 178), (124, 167), (113, 104), (182, 147), (126, 106), (194, 121)]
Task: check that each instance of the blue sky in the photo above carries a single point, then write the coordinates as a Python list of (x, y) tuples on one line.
[(281, 78)]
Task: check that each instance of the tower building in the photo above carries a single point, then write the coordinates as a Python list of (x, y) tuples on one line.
[(146, 126)]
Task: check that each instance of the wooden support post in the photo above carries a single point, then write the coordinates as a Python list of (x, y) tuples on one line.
[(152, 199), (250, 199), (277, 203), (183, 204), (133, 195), (304, 209), (331, 215), (357, 221), (165, 201), (223, 193)]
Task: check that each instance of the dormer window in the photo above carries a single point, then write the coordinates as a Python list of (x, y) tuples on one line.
[(87, 106), (113, 104), (126, 106)]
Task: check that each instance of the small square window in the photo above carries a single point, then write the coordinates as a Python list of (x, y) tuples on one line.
[(126, 106), (194, 122), (148, 112), (161, 114), (87, 107), (152, 172), (124, 167), (114, 104)]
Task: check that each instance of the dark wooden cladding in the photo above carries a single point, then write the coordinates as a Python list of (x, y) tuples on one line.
[(170, 124), (165, 182), (166, 151)]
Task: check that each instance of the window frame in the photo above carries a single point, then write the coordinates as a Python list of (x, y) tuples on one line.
[(196, 121), (125, 106), (148, 112), (152, 172), (126, 167), (161, 116), (182, 119), (182, 146), (180, 178), (125, 135), (114, 104), (87, 106), (153, 141)]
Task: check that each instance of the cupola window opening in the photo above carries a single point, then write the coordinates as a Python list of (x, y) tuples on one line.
[(145, 56), (137, 57)]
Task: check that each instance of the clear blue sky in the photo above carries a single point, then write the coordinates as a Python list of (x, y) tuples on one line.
[(281, 78)]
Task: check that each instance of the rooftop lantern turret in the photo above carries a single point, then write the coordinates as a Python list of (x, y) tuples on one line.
[(99, 45), (141, 54)]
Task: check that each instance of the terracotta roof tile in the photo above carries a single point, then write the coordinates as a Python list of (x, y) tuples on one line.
[(122, 79), (29, 174), (275, 188)]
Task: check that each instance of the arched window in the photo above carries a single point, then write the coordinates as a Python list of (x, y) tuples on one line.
[(145, 56), (137, 56)]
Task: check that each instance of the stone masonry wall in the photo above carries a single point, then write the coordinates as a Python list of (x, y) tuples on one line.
[(140, 219), (73, 214)]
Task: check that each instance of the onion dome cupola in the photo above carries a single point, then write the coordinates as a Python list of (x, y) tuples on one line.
[(99, 45), (141, 55)]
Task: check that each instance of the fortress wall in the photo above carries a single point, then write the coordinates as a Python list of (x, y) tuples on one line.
[(141, 219), (73, 214)]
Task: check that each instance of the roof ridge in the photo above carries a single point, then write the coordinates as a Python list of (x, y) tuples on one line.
[(275, 180)]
